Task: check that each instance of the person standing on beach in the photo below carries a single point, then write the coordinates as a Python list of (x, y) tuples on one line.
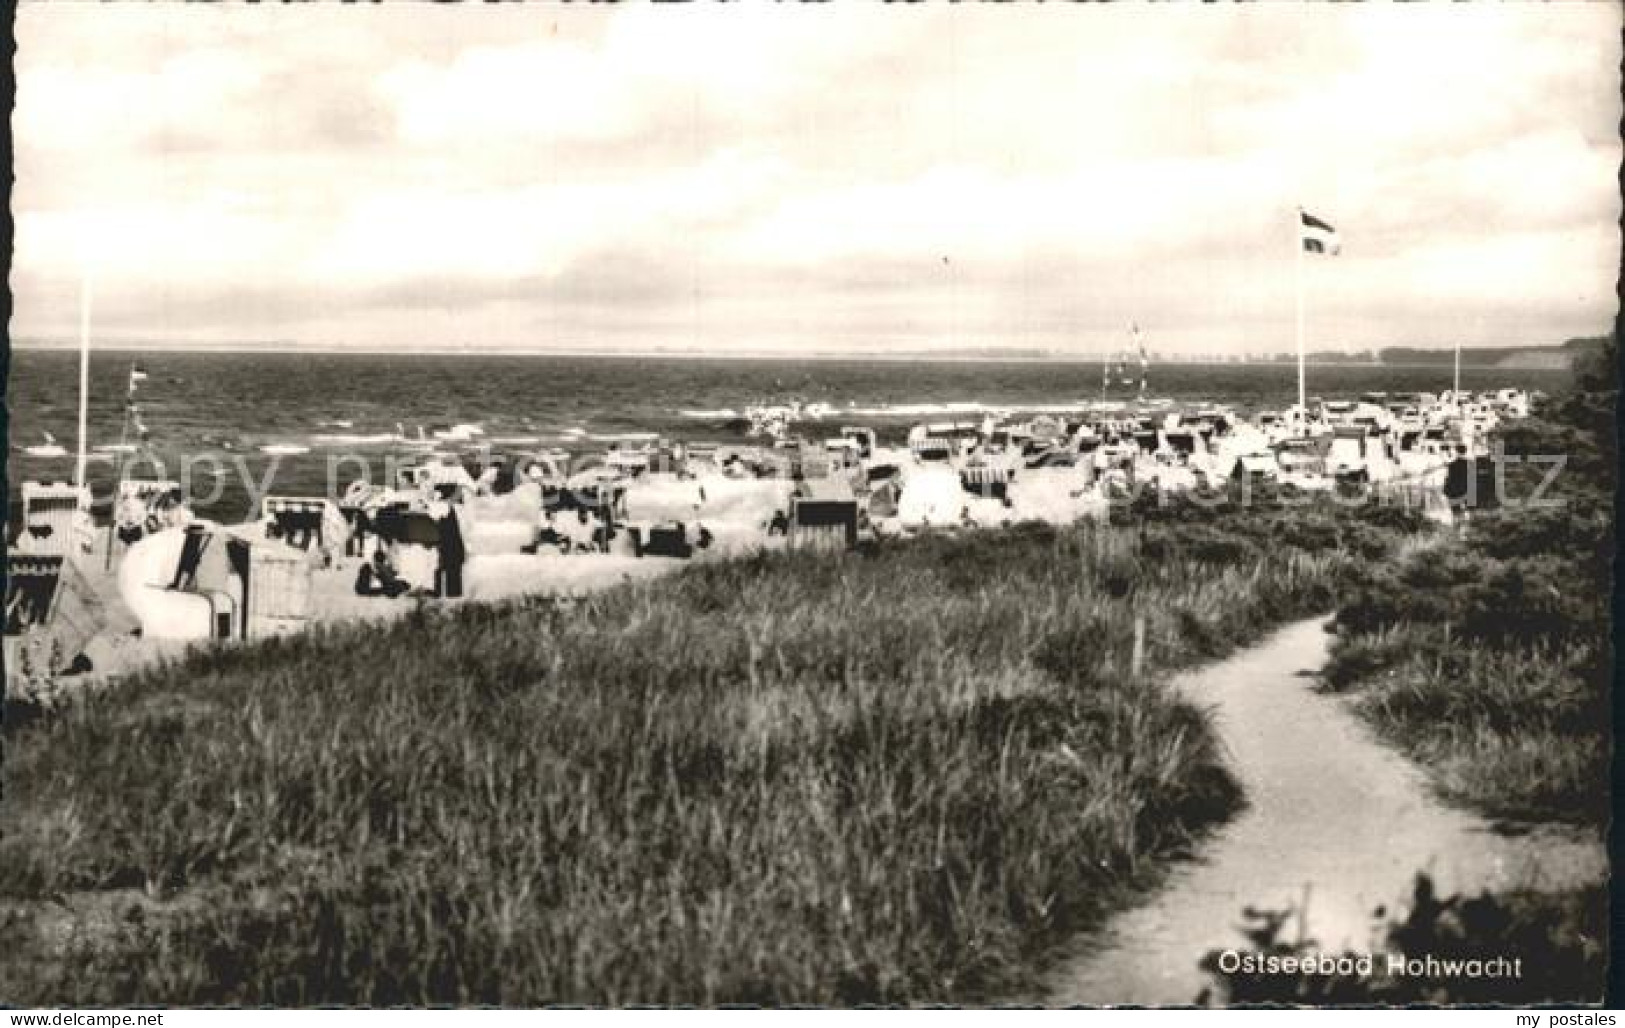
[(449, 579)]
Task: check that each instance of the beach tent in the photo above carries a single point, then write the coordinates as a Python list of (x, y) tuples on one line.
[(427, 546), (1058, 496), (932, 496)]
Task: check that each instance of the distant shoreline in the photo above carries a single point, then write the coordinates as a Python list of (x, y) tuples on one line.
[(855, 358)]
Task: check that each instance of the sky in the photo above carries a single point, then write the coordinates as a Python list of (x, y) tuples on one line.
[(871, 179)]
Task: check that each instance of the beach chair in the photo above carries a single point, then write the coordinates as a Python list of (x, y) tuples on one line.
[(1472, 484), (823, 521), (357, 523), (52, 612), (669, 540), (212, 585), (864, 437), (51, 512), (136, 509), (31, 586), (989, 480), (302, 521), (276, 588)]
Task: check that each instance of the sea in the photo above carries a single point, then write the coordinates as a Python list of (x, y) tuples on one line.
[(233, 424)]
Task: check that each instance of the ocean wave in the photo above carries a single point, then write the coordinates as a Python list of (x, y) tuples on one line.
[(620, 437), (353, 439), (922, 410), (723, 412), (940, 408)]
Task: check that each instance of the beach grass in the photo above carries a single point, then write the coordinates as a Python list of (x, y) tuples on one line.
[(1488, 658), (901, 775)]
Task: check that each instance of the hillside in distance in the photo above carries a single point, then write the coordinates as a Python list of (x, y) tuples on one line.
[(1555, 358)]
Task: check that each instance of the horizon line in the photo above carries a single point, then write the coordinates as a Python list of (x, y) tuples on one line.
[(946, 356)]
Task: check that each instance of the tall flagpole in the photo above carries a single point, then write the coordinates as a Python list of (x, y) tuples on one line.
[(1297, 262), (84, 374), (1455, 387)]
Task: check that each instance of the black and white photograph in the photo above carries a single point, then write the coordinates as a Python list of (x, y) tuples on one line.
[(834, 505)]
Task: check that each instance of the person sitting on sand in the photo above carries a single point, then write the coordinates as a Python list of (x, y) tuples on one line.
[(585, 532), (129, 519), (379, 578), (547, 534)]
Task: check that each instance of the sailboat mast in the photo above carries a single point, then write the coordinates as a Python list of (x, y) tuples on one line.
[(84, 377)]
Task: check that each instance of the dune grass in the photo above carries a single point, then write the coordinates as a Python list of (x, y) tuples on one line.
[(898, 776), (1488, 659)]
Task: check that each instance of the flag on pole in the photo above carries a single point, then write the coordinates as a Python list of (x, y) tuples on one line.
[(1145, 358), (1318, 235)]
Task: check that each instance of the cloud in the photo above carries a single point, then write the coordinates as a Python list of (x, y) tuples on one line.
[(746, 176)]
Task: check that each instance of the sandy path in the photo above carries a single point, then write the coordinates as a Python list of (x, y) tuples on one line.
[(1331, 810)]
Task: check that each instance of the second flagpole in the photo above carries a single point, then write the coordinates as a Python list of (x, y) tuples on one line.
[(1297, 268)]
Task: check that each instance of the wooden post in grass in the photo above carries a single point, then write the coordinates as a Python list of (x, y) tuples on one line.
[(1137, 661)]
